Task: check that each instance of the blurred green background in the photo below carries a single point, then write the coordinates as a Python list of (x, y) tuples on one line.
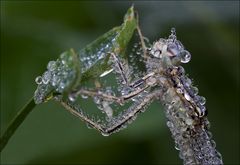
[(33, 33)]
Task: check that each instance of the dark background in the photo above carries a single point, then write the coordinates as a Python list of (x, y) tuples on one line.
[(33, 33)]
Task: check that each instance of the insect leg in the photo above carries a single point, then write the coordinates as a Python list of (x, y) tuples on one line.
[(131, 113), (119, 121), (82, 116), (121, 67), (141, 39)]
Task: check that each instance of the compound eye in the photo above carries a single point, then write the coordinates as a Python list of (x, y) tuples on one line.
[(173, 49), (179, 45)]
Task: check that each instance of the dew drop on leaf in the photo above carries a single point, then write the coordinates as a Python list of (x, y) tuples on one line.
[(72, 97), (84, 96)]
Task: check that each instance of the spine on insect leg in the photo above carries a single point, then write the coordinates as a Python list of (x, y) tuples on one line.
[(122, 70), (189, 130)]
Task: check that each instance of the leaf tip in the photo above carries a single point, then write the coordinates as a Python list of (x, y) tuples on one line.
[(130, 14)]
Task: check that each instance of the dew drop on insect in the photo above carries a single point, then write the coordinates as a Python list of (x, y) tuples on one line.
[(109, 91), (202, 100), (195, 90), (62, 85), (55, 80), (181, 70), (170, 124), (179, 90), (38, 80), (185, 56), (64, 58), (105, 133), (188, 82), (213, 143), (187, 97), (172, 36), (177, 147), (209, 134), (173, 31)]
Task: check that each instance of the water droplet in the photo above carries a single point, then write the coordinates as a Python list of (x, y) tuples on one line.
[(187, 97), (97, 100), (185, 56), (125, 91), (106, 73), (105, 133), (200, 112), (107, 109), (173, 31), (179, 90), (72, 97), (64, 57), (202, 100), (213, 143), (177, 147), (188, 82), (189, 121), (172, 37), (181, 70), (195, 90), (84, 96), (138, 52), (169, 124), (38, 80), (135, 45), (55, 80)]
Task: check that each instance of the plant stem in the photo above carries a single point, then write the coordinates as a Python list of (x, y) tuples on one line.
[(16, 122)]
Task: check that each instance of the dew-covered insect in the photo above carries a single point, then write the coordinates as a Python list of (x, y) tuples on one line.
[(152, 72), (162, 78), (107, 85)]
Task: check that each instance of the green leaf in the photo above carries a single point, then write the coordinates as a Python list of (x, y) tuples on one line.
[(115, 41), (72, 69)]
